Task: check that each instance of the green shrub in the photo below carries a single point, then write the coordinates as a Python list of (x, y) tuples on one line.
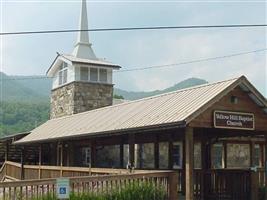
[(133, 191)]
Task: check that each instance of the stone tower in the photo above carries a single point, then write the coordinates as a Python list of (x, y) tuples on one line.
[(81, 81)]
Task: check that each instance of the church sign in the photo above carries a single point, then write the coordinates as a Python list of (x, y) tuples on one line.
[(234, 120)]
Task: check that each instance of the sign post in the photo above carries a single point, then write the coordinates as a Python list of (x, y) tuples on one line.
[(63, 188)]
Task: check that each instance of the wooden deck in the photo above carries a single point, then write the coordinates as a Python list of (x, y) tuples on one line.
[(28, 189), (211, 184), (31, 172)]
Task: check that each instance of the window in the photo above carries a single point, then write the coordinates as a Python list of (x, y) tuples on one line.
[(93, 74), (103, 75), (86, 156), (257, 155), (84, 72), (63, 74), (108, 156), (238, 155), (234, 99), (177, 155), (145, 157), (217, 155), (163, 155)]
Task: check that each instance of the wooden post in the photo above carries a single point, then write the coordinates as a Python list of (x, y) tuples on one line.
[(156, 153), (71, 154), (93, 154), (40, 161), (265, 165), (189, 154), (121, 156), (131, 139), (61, 159), (173, 186), (252, 153), (170, 164), (22, 160), (204, 167), (254, 191), (183, 171), (7, 151)]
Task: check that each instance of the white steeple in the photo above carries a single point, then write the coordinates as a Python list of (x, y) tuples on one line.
[(83, 48)]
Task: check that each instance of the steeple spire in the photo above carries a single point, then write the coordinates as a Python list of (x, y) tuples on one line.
[(83, 48)]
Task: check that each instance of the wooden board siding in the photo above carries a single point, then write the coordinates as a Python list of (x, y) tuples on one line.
[(245, 104)]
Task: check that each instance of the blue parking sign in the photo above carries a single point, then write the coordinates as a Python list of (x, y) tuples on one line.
[(63, 186), (62, 190)]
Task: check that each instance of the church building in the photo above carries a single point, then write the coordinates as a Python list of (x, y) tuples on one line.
[(212, 135)]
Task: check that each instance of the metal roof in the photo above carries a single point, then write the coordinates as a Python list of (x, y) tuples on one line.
[(15, 136), (177, 107), (73, 59), (90, 61)]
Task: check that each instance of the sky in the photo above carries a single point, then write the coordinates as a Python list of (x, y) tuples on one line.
[(33, 54)]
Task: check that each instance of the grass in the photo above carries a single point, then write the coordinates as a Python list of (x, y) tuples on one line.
[(133, 191)]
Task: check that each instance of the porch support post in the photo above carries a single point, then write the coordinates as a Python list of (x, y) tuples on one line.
[(252, 153), (189, 154), (121, 155), (93, 154), (265, 164), (7, 151), (61, 155), (170, 153), (131, 138), (40, 161), (22, 162), (254, 174), (61, 158), (71, 154)]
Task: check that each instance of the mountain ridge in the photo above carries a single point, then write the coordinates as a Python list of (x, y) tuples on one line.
[(37, 88), (25, 101)]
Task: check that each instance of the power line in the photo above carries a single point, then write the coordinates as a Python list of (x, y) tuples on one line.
[(192, 61), (135, 29), (156, 66)]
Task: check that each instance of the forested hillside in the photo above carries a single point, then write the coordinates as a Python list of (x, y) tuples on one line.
[(25, 104), (21, 117)]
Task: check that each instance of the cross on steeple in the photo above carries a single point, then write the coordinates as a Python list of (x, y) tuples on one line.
[(82, 47)]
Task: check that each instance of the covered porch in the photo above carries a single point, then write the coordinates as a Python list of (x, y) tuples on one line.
[(204, 158)]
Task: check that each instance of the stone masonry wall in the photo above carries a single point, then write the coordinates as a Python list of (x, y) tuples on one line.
[(79, 97)]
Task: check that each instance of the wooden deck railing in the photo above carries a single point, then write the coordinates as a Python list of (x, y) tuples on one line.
[(29, 189), (30, 172), (225, 184)]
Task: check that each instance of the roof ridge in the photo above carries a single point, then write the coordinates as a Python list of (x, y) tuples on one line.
[(151, 97)]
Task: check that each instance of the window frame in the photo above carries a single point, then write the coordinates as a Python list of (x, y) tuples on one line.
[(63, 74)]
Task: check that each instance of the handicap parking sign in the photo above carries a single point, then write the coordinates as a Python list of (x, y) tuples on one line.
[(63, 186), (62, 190)]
